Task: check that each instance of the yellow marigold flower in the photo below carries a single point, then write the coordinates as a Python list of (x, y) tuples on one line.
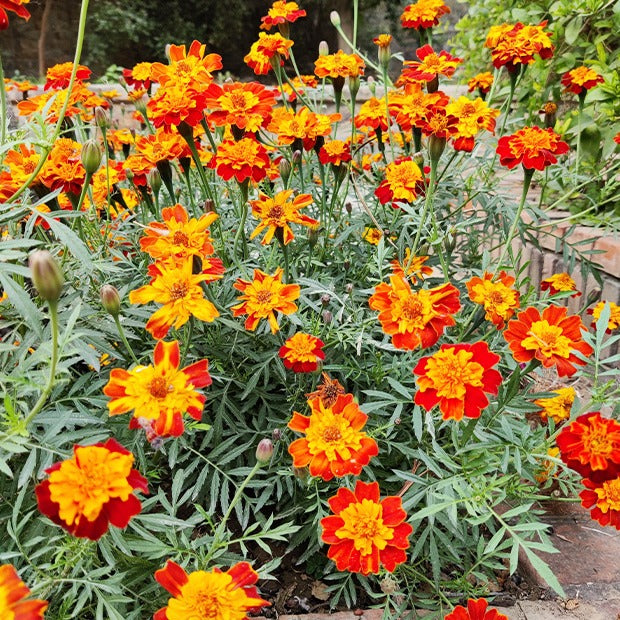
[(14, 602), (339, 65), (372, 235), (263, 296), (614, 315), (372, 114), (278, 213), (472, 117), (482, 82), (403, 182), (498, 298), (557, 407), (162, 145), (560, 283), (302, 352), (300, 128), (187, 68)]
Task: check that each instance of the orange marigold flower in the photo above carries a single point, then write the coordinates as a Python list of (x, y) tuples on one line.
[(431, 65), (163, 145), (176, 103), (160, 391), (383, 41), (516, 45), (411, 267), (41, 103), (414, 319), (614, 315), (243, 159), (372, 114), (178, 236), (178, 289), (334, 442), (15, 6), (263, 296), (423, 14), (476, 610), (59, 75), (220, 595), (498, 298), (581, 79), (91, 490), (302, 352), (13, 595), (270, 50), (278, 213), (473, 116), (533, 147), (139, 76), (21, 163), (335, 152), (327, 391), (591, 446), (187, 67), (411, 106), (302, 127), (339, 65), (557, 407), (372, 235), (63, 169), (559, 283), (602, 498), (280, 13), (366, 532), (456, 378), (551, 339), (403, 182), (482, 82)]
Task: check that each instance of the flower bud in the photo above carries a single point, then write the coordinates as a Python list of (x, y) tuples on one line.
[(349, 207), (313, 235), (110, 299), (91, 157), (388, 585), (285, 170), (436, 146), (325, 299), (154, 179), (327, 317), (301, 473), (323, 48), (264, 451), (209, 206), (46, 275), (334, 17), (276, 434), (297, 156), (372, 85), (354, 85), (102, 118), (349, 287)]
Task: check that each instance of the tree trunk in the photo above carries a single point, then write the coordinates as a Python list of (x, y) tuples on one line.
[(45, 18)]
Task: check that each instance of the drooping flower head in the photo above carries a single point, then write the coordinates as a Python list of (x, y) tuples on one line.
[(476, 610), (602, 498), (559, 283), (497, 297), (581, 79), (243, 159), (271, 50), (15, 6), (423, 14), (14, 602), (557, 407), (91, 490), (403, 182), (263, 297), (430, 65), (552, 338), (456, 378), (209, 595), (481, 82), (614, 315), (516, 45), (59, 76), (365, 532), (161, 391), (533, 147), (302, 352), (414, 319)]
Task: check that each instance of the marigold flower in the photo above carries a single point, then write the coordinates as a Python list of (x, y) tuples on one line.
[(277, 213), (372, 114), (163, 145), (63, 169), (412, 268), (559, 283), (412, 106), (551, 339), (178, 289), (15, 6), (269, 50), (13, 595), (516, 45), (335, 152), (174, 104), (372, 235), (591, 446), (139, 76), (263, 296), (187, 68), (476, 610), (280, 13), (327, 391), (221, 595), (482, 82), (59, 75), (557, 407), (403, 182), (456, 378), (473, 116), (498, 298), (533, 147), (581, 79), (602, 498), (365, 532), (160, 391), (302, 352), (383, 41), (339, 65), (614, 315), (91, 490), (414, 319), (21, 163), (301, 126), (431, 65), (243, 159), (423, 14)]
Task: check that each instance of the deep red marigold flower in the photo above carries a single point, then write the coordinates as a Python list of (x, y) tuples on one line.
[(161, 391), (498, 298), (365, 532), (334, 442), (559, 283), (551, 338), (302, 352), (414, 319), (581, 79), (591, 446), (614, 315), (482, 82), (603, 500), (403, 182), (243, 159), (280, 13), (533, 147), (476, 610), (91, 490), (423, 14), (15, 6), (557, 407), (431, 65), (456, 378), (13, 597), (59, 75), (220, 595)]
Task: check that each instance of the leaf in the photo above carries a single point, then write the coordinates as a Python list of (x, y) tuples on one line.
[(22, 303), (573, 28), (544, 571)]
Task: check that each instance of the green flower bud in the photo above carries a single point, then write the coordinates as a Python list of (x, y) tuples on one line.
[(110, 299), (264, 451), (91, 157), (46, 275)]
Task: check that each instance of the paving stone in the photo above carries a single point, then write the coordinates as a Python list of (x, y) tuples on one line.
[(536, 610)]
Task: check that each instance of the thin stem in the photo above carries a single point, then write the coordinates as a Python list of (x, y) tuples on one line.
[(121, 333), (428, 204), (287, 274), (579, 119)]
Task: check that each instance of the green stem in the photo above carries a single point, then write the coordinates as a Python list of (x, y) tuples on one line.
[(287, 278), (121, 333), (355, 15), (428, 205), (579, 120), (3, 105), (240, 231)]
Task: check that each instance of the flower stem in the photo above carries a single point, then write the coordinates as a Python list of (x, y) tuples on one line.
[(579, 120), (121, 333)]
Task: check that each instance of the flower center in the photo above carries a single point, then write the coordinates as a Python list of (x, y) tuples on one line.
[(179, 290), (264, 297), (363, 524), (331, 434), (535, 141), (276, 212), (451, 372), (180, 238), (548, 339), (415, 312), (158, 388), (598, 442)]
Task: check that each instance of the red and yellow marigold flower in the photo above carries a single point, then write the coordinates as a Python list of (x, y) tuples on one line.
[(263, 297), (163, 145), (414, 319), (302, 127), (591, 446), (372, 235), (559, 283), (430, 65), (476, 610), (339, 65), (139, 76), (423, 14), (473, 116), (551, 338), (178, 236), (91, 490), (242, 159), (372, 114), (270, 50), (281, 12), (581, 79), (497, 297), (614, 315), (302, 352), (456, 378), (14, 593), (602, 498), (187, 67), (63, 169), (214, 594), (532, 147), (278, 213), (335, 152), (160, 391), (557, 407), (411, 106), (174, 104), (178, 290), (515, 45), (411, 268), (366, 532), (59, 75), (481, 82), (403, 182), (21, 163), (334, 442), (15, 6)]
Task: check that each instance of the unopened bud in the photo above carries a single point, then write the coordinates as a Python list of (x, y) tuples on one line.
[(264, 451), (388, 585), (110, 299), (436, 146), (167, 50), (297, 156), (325, 299), (154, 179), (349, 287), (46, 275), (276, 434), (349, 207), (354, 85), (327, 317), (334, 17), (313, 236), (372, 85), (102, 118), (347, 265), (285, 170), (91, 157), (209, 206), (323, 48)]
